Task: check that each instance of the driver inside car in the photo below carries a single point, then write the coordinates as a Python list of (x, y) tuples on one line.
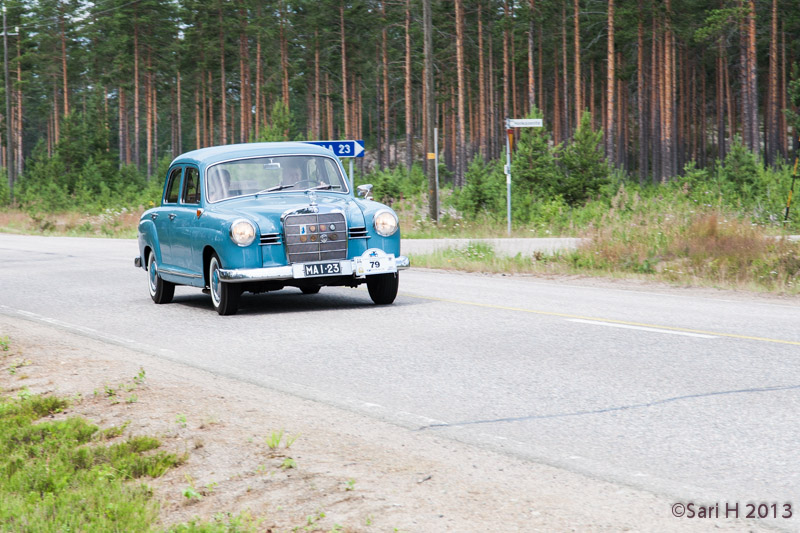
[(290, 176)]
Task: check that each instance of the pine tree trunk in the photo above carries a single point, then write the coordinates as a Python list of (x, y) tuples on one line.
[(344, 74), (461, 148), (557, 122), (316, 124), (148, 118), (506, 62), (258, 110), (64, 58), (386, 103), (197, 126), (178, 149), (655, 105), (772, 101), (640, 97), (222, 80), (285, 57), (565, 74), (121, 129), (483, 133), (752, 76), (385, 71), (669, 113), (19, 131), (610, 92), (720, 101), (531, 80), (407, 88), (782, 121), (578, 99), (136, 95), (430, 108), (210, 127), (329, 106)]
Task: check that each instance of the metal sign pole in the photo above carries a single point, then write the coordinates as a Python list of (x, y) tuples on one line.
[(351, 173), (436, 167), (508, 176)]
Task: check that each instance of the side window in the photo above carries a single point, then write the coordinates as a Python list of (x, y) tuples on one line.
[(191, 186), (173, 186)]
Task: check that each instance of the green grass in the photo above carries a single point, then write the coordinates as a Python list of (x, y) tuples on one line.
[(56, 476), (677, 243)]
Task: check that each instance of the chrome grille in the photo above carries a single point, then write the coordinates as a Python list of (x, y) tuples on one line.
[(270, 238), (358, 233), (304, 236)]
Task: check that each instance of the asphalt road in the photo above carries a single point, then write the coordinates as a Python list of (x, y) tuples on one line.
[(682, 393)]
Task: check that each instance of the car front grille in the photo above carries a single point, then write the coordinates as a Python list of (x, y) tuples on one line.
[(310, 237)]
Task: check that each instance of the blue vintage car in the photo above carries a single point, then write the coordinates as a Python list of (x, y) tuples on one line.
[(262, 216)]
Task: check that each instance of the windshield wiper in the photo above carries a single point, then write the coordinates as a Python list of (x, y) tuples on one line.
[(324, 187), (275, 188)]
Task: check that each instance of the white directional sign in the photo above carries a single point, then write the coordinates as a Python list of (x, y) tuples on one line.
[(524, 123), (342, 148)]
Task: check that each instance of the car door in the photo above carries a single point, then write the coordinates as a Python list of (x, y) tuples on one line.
[(164, 217), (187, 248)]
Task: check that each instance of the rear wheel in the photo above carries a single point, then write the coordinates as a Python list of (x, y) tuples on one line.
[(383, 287), (160, 291), (224, 296)]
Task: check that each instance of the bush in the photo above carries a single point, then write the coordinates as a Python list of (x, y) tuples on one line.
[(585, 170), (391, 185), (484, 192)]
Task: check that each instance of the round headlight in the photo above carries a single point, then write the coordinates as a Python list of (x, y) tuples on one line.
[(385, 223), (243, 232)]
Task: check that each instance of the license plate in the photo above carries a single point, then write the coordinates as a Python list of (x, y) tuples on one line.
[(332, 268)]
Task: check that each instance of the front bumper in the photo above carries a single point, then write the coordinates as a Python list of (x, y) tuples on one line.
[(349, 267)]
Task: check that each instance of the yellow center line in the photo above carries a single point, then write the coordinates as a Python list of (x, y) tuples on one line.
[(610, 320)]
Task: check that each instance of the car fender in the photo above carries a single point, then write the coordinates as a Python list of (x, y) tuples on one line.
[(148, 238)]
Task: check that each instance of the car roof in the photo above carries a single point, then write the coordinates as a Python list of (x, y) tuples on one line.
[(215, 154)]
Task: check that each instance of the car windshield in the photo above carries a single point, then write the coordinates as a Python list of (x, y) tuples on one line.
[(263, 175)]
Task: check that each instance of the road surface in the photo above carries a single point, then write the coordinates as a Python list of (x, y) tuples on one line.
[(683, 393)]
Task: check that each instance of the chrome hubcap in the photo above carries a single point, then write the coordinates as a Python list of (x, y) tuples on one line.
[(153, 271), (214, 281)]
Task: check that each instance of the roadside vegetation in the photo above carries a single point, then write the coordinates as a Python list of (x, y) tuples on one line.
[(64, 473)]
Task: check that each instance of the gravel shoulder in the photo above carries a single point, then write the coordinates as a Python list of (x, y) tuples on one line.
[(351, 471)]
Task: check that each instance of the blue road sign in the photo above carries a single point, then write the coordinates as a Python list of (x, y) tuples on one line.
[(342, 148)]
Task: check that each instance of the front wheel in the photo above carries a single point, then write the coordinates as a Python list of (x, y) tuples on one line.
[(383, 287), (160, 291), (224, 296)]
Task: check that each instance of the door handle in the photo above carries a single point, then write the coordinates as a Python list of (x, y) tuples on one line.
[(172, 216), (154, 216)]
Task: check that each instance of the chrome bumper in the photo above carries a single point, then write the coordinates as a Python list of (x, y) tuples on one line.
[(243, 275)]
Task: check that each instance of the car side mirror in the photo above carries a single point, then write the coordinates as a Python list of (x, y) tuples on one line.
[(365, 191)]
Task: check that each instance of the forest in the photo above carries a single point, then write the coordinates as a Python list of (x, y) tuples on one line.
[(99, 95)]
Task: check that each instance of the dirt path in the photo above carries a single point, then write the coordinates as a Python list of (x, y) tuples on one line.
[(352, 473)]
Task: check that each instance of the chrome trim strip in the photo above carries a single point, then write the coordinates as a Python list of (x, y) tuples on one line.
[(255, 274), (244, 275), (176, 273)]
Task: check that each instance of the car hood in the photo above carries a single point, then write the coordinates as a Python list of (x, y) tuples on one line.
[(266, 209)]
